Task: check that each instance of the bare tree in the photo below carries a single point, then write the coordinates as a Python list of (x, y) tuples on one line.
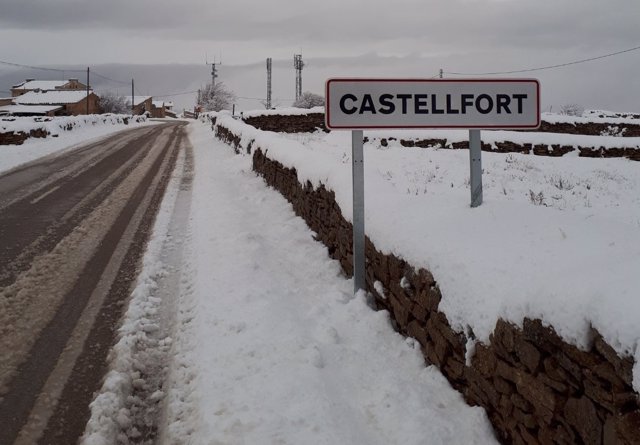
[(113, 103), (572, 110), (309, 100), (216, 97)]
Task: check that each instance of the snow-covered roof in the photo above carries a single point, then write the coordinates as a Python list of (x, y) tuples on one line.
[(32, 109), (41, 84), (137, 100), (55, 97), (158, 103)]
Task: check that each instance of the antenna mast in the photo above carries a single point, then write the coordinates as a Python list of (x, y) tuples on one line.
[(268, 104), (298, 64), (214, 73)]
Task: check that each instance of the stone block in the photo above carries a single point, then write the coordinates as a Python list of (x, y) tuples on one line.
[(528, 354), (581, 414), (416, 330), (484, 360)]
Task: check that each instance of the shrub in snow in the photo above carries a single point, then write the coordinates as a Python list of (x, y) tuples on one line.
[(216, 97), (113, 103), (572, 110), (309, 100)]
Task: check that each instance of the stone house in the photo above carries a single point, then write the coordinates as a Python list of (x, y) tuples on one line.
[(46, 85), (158, 109), (30, 110), (72, 102), (141, 104)]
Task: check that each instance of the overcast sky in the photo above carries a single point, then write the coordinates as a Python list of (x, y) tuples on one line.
[(338, 37)]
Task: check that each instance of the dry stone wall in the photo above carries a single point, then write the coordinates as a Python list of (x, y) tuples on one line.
[(18, 138), (552, 150), (310, 122), (535, 387), (285, 123), (67, 124), (314, 121)]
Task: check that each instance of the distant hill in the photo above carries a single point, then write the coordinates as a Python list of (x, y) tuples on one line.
[(590, 86)]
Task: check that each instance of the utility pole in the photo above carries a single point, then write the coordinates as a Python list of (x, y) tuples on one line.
[(268, 104), (214, 73), (132, 96), (87, 90), (298, 64)]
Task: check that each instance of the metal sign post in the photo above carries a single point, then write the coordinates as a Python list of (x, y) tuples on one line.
[(475, 165), (357, 163), (474, 104)]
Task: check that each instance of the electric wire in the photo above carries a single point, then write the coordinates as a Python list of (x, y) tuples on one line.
[(528, 70), (19, 65)]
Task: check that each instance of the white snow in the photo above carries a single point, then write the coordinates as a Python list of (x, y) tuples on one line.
[(53, 97), (41, 84), (271, 346), (37, 109), (556, 238), (275, 348), (84, 129)]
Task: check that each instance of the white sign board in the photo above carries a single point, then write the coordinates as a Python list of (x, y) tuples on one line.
[(432, 103)]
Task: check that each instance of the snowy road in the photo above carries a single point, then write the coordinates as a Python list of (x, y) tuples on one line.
[(73, 228), (271, 346)]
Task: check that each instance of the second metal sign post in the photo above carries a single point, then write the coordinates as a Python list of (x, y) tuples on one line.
[(357, 104)]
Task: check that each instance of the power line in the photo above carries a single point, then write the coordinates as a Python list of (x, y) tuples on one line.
[(110, 79), (19, 65), (528, 70), (176, 94)]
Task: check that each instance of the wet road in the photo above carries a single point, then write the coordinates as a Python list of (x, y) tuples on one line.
[(73, 229)]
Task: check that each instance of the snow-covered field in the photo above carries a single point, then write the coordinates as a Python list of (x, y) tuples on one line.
[(556, 238), (64, 132)]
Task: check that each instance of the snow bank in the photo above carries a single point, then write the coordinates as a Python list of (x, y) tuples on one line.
[(278, 348), (58, 125), (85, 128), (137, 359)]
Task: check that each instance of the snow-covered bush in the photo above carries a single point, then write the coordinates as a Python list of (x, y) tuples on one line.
[(572, 110), (216, 97), (309, 100), (113, 103)]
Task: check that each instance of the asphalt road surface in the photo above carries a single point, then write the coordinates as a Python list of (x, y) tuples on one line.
[(73, 229)]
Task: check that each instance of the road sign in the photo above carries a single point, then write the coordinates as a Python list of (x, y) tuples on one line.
[(432, 103)]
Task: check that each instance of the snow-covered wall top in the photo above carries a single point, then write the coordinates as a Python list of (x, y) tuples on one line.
[(57, 125), (290, 111)]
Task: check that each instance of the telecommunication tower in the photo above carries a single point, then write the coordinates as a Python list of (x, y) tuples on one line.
[(298, 64), (268, 104)]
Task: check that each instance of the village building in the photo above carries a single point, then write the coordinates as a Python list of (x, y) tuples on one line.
[(158, 109), (162, 109), (71, 102), (30, 110), (46, 85), (141, 104)]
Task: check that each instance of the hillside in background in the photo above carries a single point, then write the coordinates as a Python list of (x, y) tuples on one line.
[(589, 88)]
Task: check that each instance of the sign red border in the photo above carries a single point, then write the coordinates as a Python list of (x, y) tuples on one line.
[(365, 127)]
